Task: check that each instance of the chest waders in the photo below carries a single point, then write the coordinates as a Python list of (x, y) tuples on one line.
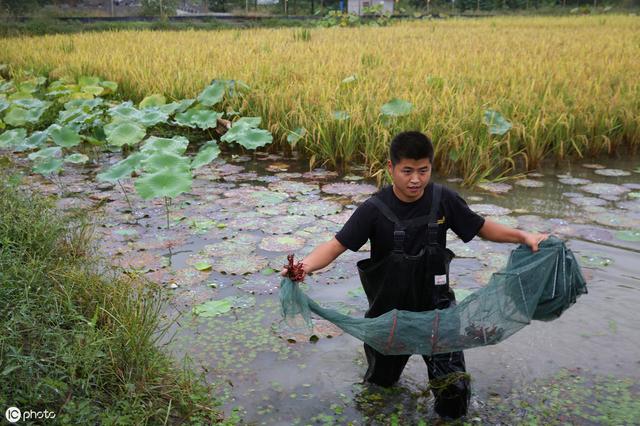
[(407, 282)]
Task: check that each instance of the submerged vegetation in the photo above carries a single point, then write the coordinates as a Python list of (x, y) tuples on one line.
[(564, 84), (79, 340)]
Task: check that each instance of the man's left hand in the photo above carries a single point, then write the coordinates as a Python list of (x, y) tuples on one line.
[(533, 239)]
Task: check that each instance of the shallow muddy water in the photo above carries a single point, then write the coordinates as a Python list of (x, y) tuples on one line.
[(233, 230)]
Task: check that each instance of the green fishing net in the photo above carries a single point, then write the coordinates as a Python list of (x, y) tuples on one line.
[(533, 286)]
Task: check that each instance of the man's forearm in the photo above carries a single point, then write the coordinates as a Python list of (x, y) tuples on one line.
[(498, 233), (323, 255)]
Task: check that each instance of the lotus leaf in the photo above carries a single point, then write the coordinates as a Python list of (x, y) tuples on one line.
[(177, 145), (202, 265), (592, 260), (76, 158), (160, 161), (294, 136), (286, 224), (93, 90), (213, 308), (48, 166), (206, 155), (152, 116), (612, 172), (496, 123), (195, 117), (64, 137), (45, 153), (604, 189), (122, 133), (499, 188), (154, 100), (529, 183), (574, 181), (111, 86), (236, 265), (287, 243), (12, 138), (248, 122), (254, 138), (174, 107), (86, 80), (292, 187), (79, 95), (166, 183), (349, 189), (17, 116), (3, 104), (124, 111), (315, 208), (31, 103), (36, 140), (341, 115), (396, 108), (212, 94), (489, 209), (616, 220)]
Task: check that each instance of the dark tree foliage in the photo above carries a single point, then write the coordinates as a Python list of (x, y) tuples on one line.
[(21, 7)]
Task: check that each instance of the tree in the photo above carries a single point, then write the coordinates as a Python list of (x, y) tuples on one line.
[(159, 7), (21, 7)]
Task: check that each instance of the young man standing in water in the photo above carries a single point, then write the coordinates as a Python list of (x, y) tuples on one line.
[(403, 219)]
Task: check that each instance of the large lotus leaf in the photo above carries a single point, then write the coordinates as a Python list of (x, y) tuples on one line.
[(167, 183), (86, 80), (125, 111), (605, 189), (124, 133), (17, 116), (12, 138), (248, 122), (36, 140), (612, 172), (628, 235), (93, 90), (498, 125), (80, 96), (110, 86), (212, 94), (122, 169), (154, 100), (254, 138), (349, 189), (206, 155), (31, 103), (152, 116), (76, 158), (45, 153), (65, 137), (288, 243), (68, 115), (177, 144), (160, 161), (396, 108), (48, 166), (174, 107), (196, 117), (83, 104)]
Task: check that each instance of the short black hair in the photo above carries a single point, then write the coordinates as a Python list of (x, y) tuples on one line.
[(412, 145)]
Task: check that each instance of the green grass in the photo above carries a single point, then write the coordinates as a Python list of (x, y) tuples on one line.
[(78, 338)]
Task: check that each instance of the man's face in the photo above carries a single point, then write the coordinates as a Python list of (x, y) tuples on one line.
[(410, 177)]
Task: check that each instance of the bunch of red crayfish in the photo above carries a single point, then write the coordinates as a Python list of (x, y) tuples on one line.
[(294, 271)]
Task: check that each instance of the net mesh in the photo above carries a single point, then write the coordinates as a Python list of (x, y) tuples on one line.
[(533, 286)]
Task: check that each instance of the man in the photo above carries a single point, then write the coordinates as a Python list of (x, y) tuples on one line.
[(409, 264)]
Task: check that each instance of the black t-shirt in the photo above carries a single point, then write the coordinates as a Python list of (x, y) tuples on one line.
[(368, 222)]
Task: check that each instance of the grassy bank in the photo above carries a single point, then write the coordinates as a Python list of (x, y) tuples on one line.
[(566, 84), (79, 339)]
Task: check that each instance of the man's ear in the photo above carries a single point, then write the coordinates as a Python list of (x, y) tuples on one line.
[(389, 166)]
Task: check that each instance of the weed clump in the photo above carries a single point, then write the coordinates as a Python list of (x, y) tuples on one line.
[(77, 338)]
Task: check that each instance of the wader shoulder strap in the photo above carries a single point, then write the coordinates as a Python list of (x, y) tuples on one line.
[(432, 226), (398, 226)]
